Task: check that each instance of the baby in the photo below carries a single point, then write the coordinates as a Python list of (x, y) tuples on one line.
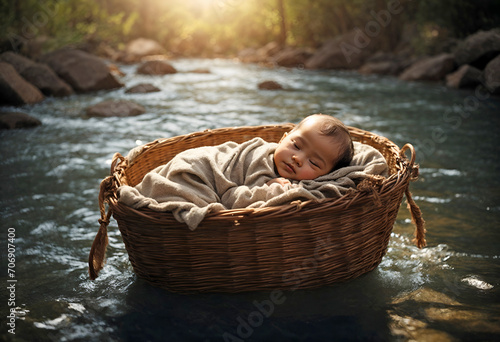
[(318, 145)]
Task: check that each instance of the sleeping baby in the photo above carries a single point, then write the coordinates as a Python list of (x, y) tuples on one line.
[(318, 145), (315, 160)]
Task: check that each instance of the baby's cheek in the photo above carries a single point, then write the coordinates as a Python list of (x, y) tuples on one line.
[(308, 174)]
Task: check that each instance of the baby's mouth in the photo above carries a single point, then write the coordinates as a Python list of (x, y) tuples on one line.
[(290, 168)]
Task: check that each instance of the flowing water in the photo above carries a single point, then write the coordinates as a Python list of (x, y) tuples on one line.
[(49, 185)]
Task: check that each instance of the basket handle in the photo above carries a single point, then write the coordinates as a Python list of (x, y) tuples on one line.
[(97, 253), (402, 153), (416, 213), (417, 219)]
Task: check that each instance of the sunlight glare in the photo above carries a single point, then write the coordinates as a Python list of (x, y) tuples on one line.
[(205, 3), (215, 4)]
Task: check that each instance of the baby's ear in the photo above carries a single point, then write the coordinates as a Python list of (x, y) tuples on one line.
[(283, 137)]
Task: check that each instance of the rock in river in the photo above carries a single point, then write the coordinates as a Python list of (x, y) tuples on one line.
[(156, 67), (139, 48), (270, 85), (142, 88), (430, 69), (81, 70), (491, 75), (13, 120), (465, 77), (115, 108), (38, 74), (479, 48), (14, 89)]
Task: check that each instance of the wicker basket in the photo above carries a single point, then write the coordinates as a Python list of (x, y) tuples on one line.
[(299, 245)]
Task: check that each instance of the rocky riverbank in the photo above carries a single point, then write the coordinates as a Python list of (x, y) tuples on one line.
[(65, 72), (473, 63)]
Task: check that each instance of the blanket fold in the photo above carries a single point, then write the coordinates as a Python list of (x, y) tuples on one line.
[(229, 176)]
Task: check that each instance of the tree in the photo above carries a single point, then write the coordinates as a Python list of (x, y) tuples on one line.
[(283, 32)]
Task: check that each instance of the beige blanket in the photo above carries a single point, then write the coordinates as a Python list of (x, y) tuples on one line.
[(230, 176)]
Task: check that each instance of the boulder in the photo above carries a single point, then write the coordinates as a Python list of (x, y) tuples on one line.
[(478, 49), (155, 58), (491, 76), (142, 88), (380, 68), (105, 51), (115, 108), (386, 64), (38, 74), (13, 120), (141, 47), (292, 57), (270, 49), (81, 70), (157, 67), (200, 71), (45, 79), (20, 63), (270, 85), (14, 89), (465, 77), (430, 69), (251, 55), (260, 55), (348, 51)]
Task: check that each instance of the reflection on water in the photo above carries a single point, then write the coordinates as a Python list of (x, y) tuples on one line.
[(449, 290)]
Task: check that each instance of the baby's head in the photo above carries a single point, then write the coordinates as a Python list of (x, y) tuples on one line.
[(318, 145)]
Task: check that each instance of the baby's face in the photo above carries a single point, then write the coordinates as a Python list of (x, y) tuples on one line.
[(305, 153)]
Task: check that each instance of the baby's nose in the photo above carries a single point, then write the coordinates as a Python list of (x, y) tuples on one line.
[(296, 160)]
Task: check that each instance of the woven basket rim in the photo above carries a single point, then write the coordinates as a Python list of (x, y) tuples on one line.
[(345, 200)]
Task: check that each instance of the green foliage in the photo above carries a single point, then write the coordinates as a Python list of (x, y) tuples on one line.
[(6, 14), (460, 17), (207, 27), (441, 23)]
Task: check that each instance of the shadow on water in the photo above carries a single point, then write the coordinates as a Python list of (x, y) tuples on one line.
[(325, 314)]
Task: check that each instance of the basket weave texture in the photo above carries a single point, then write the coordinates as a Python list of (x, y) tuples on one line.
[(299, 245)]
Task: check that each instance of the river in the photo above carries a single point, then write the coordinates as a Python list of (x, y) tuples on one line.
[(50, 177)]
